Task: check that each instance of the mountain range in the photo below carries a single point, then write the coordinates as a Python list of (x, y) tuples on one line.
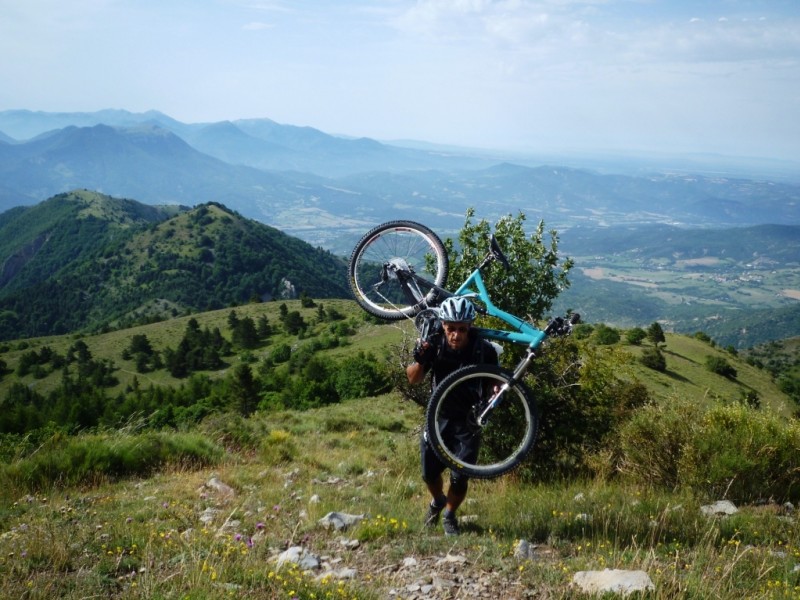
[(327, 189)]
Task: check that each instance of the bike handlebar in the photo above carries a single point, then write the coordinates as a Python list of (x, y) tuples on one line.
[(560, 326)]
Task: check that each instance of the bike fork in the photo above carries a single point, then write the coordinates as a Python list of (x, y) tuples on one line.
[(497, 397)]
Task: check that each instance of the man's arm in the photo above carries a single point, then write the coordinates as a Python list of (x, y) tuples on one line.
[(424, 354), (415, 372)]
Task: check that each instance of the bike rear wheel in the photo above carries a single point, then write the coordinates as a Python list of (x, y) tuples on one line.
[(481, 451), (409, 246)]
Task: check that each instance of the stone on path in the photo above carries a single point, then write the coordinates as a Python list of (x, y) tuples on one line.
[(612, 580), (297, 555), (720, 507), (339, 521)]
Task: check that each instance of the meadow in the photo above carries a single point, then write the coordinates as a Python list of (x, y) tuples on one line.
[(213, 522)]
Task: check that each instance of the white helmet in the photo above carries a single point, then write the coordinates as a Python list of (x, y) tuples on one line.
[(458, 309)]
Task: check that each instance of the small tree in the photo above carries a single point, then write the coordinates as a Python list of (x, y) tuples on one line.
[(720, 366), (245, 334), (656, 334), (537, 275), (635, 336), (653, 358), (263, 328), (244, 389), (605, 335)]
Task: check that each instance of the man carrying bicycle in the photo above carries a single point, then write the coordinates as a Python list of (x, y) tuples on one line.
[(458, 347)]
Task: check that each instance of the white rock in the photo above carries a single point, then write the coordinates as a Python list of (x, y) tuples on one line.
[(451, 559), (222, 488), (720, 507), (208, 515), (612, 580), (338, 574), (297, 555), (339, 521)]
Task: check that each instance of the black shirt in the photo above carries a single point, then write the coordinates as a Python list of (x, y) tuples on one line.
[(477, 351)]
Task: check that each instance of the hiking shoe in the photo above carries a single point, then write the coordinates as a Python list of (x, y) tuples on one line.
[(450, 524), (432, 516)]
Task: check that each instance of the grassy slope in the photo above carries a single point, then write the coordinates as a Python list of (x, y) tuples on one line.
[(688, 377), (686, 374), (167, 334), (144, 538)]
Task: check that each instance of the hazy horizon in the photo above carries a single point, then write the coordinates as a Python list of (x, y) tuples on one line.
[(551, 76)]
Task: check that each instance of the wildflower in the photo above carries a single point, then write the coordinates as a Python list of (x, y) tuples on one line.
[(260, 525)]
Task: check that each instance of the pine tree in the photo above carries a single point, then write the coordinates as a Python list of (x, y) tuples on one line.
[(655, 334)]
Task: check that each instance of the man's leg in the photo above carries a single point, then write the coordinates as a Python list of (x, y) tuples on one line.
[(455, 498), (456, 494), (432, 470)]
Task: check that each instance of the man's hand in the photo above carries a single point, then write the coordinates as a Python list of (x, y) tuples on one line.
[(424, 352)]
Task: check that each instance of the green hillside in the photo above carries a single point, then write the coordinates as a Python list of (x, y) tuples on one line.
[(330, 333), (205, 508), (85, 262)]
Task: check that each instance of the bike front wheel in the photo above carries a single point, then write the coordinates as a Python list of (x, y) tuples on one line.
[(397, 246), (491, 448)]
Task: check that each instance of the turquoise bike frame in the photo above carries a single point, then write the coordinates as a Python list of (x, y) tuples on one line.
[(525, 332)]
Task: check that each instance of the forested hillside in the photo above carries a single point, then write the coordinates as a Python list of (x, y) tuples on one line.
[(84, 261)]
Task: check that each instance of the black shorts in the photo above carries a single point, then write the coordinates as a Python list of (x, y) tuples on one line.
[(468, 446)]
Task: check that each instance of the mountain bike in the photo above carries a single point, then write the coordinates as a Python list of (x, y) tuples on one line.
[(398, 270)]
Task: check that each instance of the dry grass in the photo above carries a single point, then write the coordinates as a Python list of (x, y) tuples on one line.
[(146, 538)]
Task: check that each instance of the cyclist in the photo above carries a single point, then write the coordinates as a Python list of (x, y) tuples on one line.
[(458, 347)]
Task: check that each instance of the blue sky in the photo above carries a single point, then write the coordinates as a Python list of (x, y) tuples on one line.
[(673, 76)]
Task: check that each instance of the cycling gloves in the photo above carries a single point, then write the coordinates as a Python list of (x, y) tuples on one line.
[(424, 353)]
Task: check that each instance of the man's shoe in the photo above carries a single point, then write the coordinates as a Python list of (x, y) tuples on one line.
[(432, 516), (450, 524)]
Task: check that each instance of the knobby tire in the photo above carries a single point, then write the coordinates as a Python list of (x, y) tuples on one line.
[(507, 438), (412, 243)]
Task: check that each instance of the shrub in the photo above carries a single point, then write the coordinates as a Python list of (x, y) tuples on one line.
[(734, 451), (278, 447), (720, 366), (703, 337), (87, 459), (744, 454), (605, 335), (280, 353), (360, 376), (653, 358), (635, 336), (581, 401), (652, 442)]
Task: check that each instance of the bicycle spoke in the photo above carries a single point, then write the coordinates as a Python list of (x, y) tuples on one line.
[(381, 265), (481, 450)]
